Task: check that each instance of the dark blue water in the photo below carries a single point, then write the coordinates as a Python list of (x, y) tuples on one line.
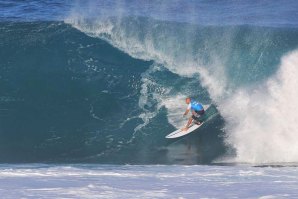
[(104, 81)]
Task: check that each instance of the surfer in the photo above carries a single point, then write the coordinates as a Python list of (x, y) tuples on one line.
[(196, 109)]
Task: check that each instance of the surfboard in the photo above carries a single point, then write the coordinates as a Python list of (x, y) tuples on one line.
[(210, 112), (180, 132)]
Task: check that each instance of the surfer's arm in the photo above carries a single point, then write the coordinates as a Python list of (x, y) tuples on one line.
[(186, 112)]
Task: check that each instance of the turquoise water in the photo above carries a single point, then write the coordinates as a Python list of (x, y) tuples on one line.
[(105, 82)]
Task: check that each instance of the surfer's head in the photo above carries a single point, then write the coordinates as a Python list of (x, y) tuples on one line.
[(187, 100)]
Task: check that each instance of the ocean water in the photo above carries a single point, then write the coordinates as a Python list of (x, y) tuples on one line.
[(144, 181), (86, 84)]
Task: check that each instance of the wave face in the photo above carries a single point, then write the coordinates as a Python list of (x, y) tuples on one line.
[(68, 97), (248, 71), (108, 89), (65, 96)]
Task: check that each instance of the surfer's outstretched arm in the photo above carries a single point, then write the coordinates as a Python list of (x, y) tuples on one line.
[(186, 112)]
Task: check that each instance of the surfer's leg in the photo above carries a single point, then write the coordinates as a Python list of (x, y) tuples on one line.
[(196, 120), (188, 124), (197, 117)]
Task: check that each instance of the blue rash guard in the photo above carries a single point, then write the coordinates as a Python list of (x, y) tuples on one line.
[(196, 106)]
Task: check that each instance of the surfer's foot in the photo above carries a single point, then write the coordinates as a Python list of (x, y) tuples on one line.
[(184, 129), (198, 123)]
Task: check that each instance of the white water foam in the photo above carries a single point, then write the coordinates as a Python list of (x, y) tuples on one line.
[(262, 122), (146, 182), (175, 106), (150, 98), (146, 45)]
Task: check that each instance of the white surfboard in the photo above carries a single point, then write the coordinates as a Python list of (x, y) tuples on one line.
[(210, 112), (180, 132)]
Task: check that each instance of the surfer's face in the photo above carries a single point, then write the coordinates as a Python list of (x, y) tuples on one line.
[(187, 100)]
